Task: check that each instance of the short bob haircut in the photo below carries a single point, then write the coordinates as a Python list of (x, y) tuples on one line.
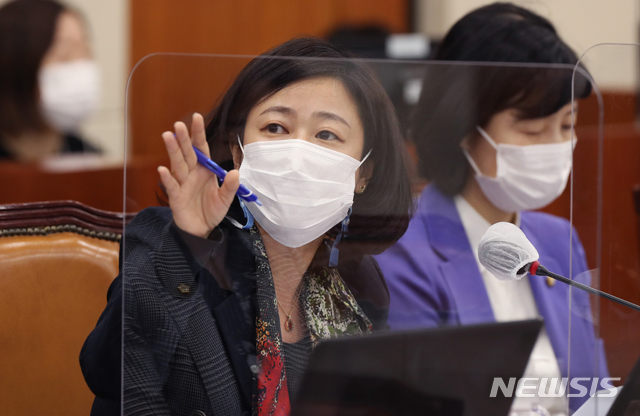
[(457, 97), (382, 212), (27, 28)]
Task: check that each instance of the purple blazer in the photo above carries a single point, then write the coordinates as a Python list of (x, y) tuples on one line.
[(433, 280)]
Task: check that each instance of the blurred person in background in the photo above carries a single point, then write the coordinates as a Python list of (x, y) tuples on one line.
[(49, 82), (494, 142)]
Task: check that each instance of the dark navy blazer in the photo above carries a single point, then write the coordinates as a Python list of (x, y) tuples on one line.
[(190, 351), (433, 280)]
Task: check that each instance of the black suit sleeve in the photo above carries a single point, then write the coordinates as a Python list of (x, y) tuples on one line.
[(100, 357)]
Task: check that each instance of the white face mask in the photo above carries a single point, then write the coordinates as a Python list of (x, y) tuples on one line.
[(528, 177), (69, 92), (305, 189)]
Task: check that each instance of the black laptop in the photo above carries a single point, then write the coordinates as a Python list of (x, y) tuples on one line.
[(446, 371)]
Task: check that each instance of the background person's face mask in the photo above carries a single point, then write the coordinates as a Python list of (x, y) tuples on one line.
[(528, 177), (69, 93), (305, 189)]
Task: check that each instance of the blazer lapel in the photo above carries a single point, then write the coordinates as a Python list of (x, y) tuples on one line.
[(235, 314), (180, 276), (238, 338), (202, 336), (458, 267)]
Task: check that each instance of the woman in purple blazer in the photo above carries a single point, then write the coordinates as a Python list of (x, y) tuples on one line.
[(494, 143)]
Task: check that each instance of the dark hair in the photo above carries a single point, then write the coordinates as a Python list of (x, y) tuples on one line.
[(456, 98), (381, 213), (27, 29)]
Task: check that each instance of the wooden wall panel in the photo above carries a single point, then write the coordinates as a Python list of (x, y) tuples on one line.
[(249, 26), (160, 93)]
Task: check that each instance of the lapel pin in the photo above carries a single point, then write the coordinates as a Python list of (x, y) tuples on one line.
[(183, 288)]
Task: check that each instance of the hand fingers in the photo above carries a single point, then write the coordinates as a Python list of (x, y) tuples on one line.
[(229, 187), (198, 134), (169, 182), (179, 168), (182, 134)]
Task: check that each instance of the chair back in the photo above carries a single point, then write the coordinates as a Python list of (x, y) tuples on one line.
[(57, 260)]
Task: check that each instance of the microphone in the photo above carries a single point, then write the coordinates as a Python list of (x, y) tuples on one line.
[(506, 253)]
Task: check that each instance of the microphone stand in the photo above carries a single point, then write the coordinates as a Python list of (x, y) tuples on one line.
[(539, 270)]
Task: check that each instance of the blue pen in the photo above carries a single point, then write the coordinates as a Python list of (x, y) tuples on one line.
[(243, 191)]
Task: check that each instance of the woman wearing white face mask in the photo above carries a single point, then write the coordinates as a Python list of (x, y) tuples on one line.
[(225, 302), (48, 81), (495, 142)]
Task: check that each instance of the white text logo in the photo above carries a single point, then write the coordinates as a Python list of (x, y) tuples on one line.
[(553, 387)]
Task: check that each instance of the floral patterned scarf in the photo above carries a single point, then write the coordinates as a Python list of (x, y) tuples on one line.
[(329, 309)]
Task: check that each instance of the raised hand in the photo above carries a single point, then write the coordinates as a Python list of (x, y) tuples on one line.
[(197, 202)]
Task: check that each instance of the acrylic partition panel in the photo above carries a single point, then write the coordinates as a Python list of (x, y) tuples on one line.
[(212, 310), (605, 211)]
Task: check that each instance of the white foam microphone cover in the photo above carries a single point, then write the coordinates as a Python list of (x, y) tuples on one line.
[(504, 250)]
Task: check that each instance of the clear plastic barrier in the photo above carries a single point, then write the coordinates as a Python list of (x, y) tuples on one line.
[(221, 319), (605, 213)]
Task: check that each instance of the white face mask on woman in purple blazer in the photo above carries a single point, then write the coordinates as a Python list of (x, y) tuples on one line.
[(528, 177)]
